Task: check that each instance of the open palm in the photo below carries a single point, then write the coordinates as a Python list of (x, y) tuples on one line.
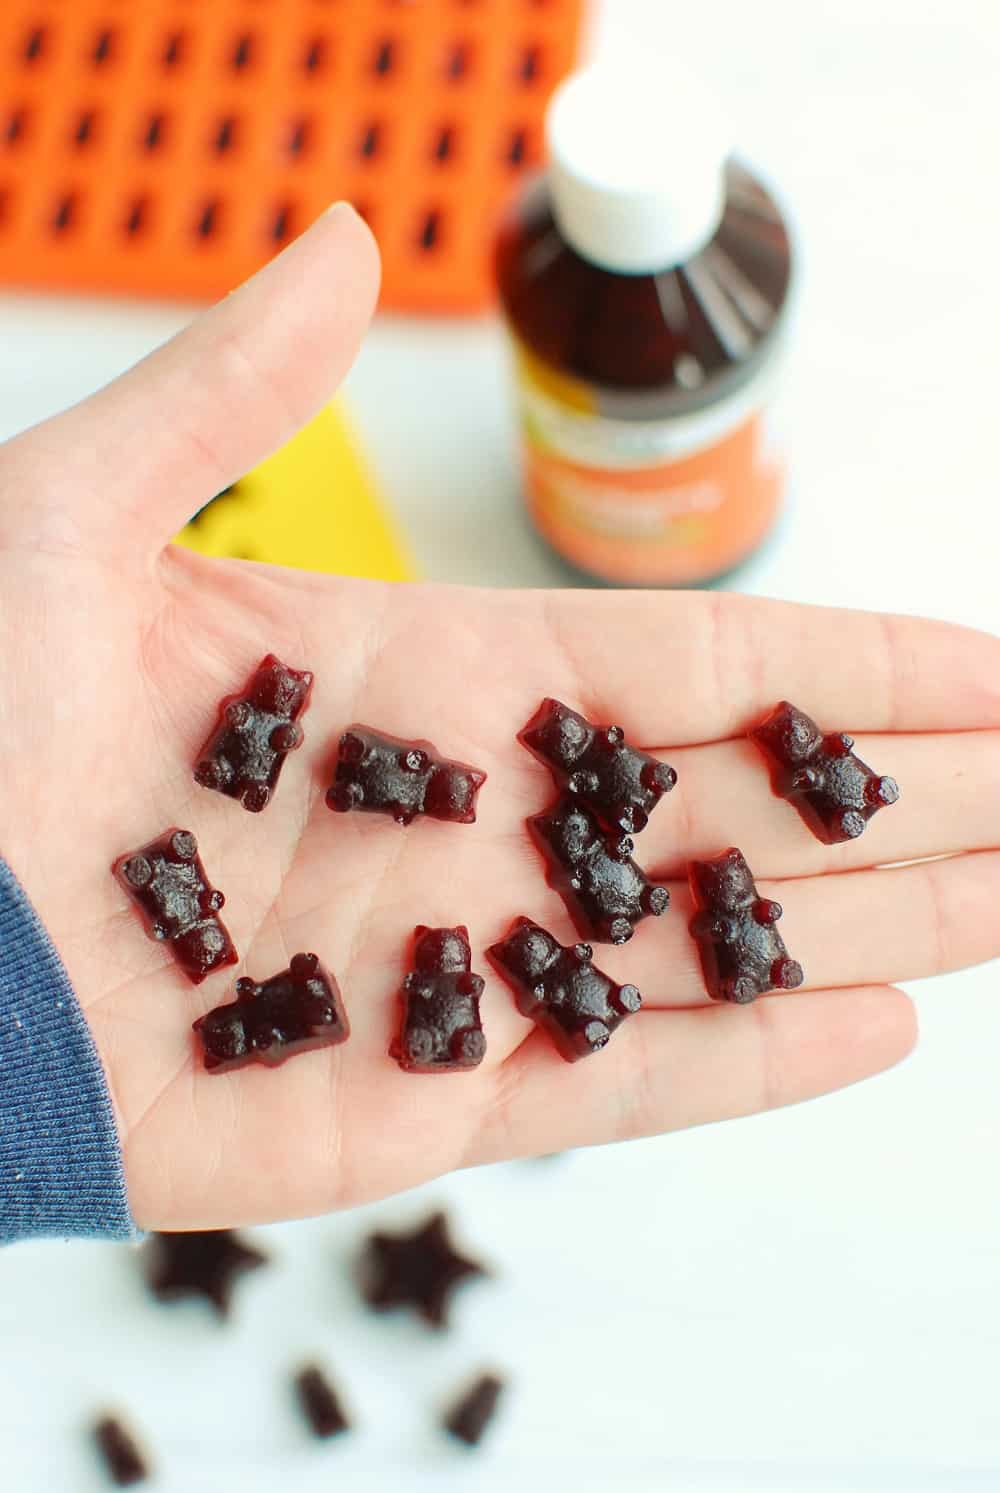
[(117, 649)]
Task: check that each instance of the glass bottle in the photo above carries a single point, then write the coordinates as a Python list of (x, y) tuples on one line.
[(645, 281)]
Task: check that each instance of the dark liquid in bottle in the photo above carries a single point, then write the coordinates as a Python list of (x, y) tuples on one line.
[(646, 347)]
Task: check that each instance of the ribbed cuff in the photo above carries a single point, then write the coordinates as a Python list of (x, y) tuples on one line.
[(60, 1162)]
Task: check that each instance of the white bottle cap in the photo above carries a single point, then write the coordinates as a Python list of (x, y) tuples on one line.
[(638, 160)]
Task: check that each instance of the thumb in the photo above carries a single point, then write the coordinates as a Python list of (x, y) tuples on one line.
[(126, 468)]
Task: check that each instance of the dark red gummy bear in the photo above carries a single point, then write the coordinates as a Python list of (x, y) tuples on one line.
[(167, 882), (742, 953), (442, 1031), (834, 791), (421, 1270), (244, 756), (290, 1013), (470, 1416), (560, 989), (320, 1403), (122, 1457), (206, 1263), (606, 893), (618, 783), (384, 775)]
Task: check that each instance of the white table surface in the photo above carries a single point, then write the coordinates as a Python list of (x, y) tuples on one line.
[(807, 1300)]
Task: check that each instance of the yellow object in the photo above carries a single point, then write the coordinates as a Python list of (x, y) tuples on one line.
[(312, 505)]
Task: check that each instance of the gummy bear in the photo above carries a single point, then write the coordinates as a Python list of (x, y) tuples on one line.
[(742, 953), (122, 1457), (421, 1270), (320, 1403), (470, 1416), (384, 775), (559, 988), (244, 756), (167, 882), (834, 792), (442, 1031), (606, 893), (619, 784), (293, 1012)]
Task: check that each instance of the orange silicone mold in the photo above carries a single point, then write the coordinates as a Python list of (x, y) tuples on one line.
[(172, 146)]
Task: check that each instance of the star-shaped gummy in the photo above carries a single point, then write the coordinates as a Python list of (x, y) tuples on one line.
[(421, 1270), (201, 1264)]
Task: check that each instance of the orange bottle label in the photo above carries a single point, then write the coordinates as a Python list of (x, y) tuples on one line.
[(645, 502)]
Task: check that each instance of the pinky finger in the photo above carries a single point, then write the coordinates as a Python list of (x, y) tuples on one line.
[(666, 1070)]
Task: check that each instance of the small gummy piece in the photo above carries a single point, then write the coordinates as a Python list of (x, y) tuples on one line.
[(205, 1263), (167, 882), (292, 1012), (244, 755), (442, 1031), (606, 892), (421, 1269), (560, 989), (742, 953), (385, 775), (618, 783), (470, 1416), (835, 793), (320, 1403), (124, 1462)]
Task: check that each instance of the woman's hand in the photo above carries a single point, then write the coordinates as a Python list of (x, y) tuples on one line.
[(117, 648)]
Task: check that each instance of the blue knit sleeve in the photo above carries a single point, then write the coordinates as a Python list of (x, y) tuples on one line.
[(60, 1161)]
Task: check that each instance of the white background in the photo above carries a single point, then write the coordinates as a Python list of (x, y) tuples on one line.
[(805, 1300)]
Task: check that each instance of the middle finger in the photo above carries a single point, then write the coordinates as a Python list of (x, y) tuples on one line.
[(863, 928)]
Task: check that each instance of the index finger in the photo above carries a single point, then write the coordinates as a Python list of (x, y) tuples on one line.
[(682, 668)]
